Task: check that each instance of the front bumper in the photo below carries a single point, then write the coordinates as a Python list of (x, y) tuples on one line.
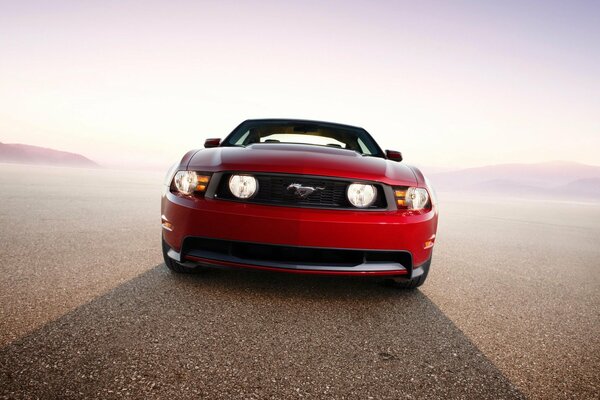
[(304, 260), (392, 243)]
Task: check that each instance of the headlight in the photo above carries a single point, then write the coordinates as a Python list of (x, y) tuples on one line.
[(411, 198), (188, 182), (361, 195), (243, 186)]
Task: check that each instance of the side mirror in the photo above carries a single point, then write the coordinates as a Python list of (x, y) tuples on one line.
[(393, 155), (214, 142)]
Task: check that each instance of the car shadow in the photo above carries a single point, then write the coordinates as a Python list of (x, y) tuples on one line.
[(239, 334)]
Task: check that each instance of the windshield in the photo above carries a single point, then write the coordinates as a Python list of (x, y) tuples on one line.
[(299, 132)]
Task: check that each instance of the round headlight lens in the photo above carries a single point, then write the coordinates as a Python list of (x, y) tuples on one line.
[(416, 198), (186, 181), (243, 186), (361, 195)]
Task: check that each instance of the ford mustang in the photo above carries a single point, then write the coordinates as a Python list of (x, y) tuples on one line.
[(303, 197)]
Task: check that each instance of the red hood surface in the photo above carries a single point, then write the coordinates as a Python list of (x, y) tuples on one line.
[(302, 159)]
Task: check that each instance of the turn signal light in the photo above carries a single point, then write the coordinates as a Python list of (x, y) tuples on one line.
[(166, 224), (429, 243), (202, 183), (400, 198)]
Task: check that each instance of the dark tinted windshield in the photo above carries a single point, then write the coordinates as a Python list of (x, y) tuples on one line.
[(317, 134)]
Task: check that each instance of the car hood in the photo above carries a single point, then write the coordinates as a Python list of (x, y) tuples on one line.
[(302, 159)]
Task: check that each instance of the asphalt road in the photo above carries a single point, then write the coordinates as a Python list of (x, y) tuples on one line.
[(88, 310)]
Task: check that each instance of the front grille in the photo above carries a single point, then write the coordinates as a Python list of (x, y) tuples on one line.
[(273, 189)]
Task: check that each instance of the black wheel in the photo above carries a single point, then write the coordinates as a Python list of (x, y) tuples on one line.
[(413, 283), (174, 265)]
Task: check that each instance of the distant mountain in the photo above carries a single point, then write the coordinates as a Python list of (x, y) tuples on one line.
[(506, 186), (588, 187), (26, 154), (554, 179)]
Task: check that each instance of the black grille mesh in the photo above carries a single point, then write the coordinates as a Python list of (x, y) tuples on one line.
[(273, 189)]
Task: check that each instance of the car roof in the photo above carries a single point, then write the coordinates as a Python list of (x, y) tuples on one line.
[(303, 121)]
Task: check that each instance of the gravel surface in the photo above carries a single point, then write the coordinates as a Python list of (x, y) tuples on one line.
[(88, 310)]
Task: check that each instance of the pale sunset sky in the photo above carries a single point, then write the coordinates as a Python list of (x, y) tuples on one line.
[(448, 83)]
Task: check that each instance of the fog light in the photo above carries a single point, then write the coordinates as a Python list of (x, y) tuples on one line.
[(243, 186), (361, 195)]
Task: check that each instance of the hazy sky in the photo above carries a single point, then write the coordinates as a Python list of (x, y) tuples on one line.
[(460, 83)]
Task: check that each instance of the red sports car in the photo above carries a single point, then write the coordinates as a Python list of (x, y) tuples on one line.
[(299, 196)]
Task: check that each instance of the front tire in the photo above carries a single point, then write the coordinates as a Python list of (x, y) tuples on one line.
[(174, 265), (410, 284)]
